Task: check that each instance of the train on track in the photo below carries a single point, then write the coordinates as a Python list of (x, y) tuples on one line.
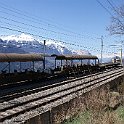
[(69, 66)]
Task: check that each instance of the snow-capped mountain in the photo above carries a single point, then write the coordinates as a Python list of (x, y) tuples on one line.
[(27, 44)]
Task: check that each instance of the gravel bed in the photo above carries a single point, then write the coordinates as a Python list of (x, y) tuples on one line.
[(44, 93), (47, 99), (27, 115), (54, 96)]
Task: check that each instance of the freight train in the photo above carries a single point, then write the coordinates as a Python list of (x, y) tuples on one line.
[(69, 66)]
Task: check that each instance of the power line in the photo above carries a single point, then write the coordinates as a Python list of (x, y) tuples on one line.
[(52, 39), (39, 22), (113, 7), (18, 22), (35, 26), (40, 35), (17, 11), (18, 26), (67, 43), (40, 28), (104, 7), (46, 37), (109, 12)]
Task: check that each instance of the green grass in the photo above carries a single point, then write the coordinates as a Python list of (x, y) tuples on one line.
[(120, 112), (85, 117), (82, 118)]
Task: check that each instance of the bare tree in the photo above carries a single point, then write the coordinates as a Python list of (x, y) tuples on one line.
[(117, 21)]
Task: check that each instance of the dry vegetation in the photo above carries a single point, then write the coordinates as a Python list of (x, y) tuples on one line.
[(102, 106)]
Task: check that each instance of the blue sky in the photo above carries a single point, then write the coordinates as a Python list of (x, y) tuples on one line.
[(81, 22)]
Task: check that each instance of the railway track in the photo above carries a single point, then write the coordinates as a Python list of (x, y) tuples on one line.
[(16, 108), (8, 94)]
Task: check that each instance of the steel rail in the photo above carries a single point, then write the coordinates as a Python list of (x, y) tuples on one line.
[(49, 91), (11, 95), (61, 93)]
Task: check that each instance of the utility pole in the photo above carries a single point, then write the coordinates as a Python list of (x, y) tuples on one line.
[(121, 56), (101, 48), (122, 52), (44, 51)]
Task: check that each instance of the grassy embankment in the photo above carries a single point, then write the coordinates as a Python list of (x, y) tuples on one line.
[(102, 108), (108, 117)]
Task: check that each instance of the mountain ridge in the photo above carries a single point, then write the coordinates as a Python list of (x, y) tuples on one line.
[(24, 43)]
